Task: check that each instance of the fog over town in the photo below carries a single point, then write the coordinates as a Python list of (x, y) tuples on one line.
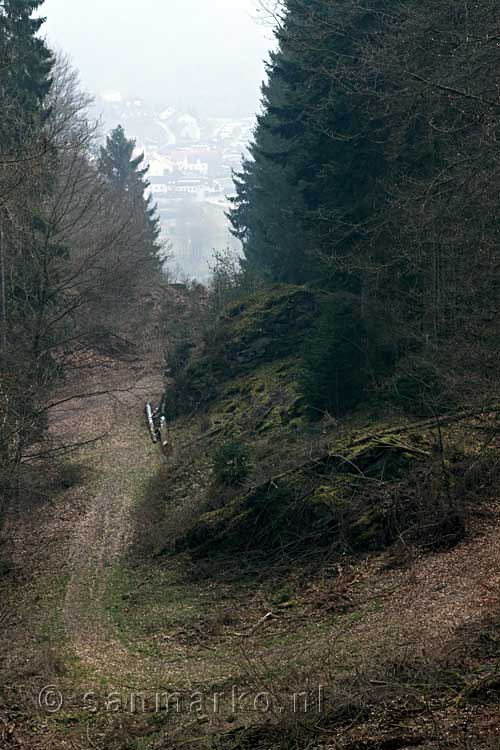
[(183, 78)]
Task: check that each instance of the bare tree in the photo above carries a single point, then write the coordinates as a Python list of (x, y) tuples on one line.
[(71, 252)]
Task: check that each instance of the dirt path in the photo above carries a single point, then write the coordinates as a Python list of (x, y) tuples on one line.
[(121, 465), (69, 622)]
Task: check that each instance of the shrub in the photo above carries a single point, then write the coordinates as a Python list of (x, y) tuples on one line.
[(231, 463), (228, 281)]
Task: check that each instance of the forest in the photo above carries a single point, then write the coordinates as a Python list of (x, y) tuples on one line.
[(372, 172), (305, 555)]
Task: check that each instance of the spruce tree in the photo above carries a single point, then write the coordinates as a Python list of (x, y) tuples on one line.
[(26, 63), (118, 164), (127, 176), (310, 197), (268, 211)]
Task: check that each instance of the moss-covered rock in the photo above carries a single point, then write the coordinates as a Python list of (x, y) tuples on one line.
[(262, 400), (260, 330), (295, 510), (265, 326)]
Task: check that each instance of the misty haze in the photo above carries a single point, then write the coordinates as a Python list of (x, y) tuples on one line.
[(183, 78)]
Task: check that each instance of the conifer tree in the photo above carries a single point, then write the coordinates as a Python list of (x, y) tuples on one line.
[(305, 192), (268, 211), (26, 63), (127, 176), (118, 165)]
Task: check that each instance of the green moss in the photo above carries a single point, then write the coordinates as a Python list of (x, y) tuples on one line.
[(365, 531), (249, 382), (280, 306), (330, 500), (263, 400), (219, 530), (260, 329)]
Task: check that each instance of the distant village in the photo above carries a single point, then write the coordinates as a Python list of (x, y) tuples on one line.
[(191, 160)]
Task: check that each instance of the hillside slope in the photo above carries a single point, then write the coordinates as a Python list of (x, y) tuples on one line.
[(371, 540), (275, 583)]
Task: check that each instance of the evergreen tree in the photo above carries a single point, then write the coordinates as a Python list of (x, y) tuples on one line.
[(127, 176), (315, 200), (118, 165), (268, 211), (284, 194), (335, 359), (26, 63)]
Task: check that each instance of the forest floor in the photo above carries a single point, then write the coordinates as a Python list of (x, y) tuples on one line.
[(99, 638)]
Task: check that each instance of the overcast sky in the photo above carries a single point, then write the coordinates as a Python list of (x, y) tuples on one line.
[(207, 54)]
